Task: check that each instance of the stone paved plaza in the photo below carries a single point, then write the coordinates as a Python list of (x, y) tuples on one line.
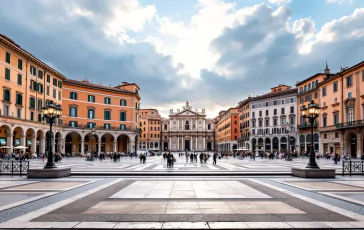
[(184, 201)]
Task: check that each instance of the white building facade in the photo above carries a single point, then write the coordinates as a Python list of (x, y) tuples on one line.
[(274, 120), (187, 130)]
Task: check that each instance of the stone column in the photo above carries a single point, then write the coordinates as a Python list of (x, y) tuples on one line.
[(42, 145), (82, 146), (183, 143), (33, 139), (115, 146), (170, 143), (359, 143), (204, 140), (196, 141), (9, 142), (279, 145), (131, 144), (178, 143), (63, 145), (99, 147)]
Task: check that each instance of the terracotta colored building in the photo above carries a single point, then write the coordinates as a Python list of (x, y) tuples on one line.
[(342, 112), (150, 124), (111, 112), (244, 123), (27, 85), (227, 130), (308, 90)]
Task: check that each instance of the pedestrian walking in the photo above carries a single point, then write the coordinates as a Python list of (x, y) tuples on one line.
[(214, 158)]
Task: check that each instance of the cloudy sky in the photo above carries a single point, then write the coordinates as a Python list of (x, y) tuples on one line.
[(213, 53)]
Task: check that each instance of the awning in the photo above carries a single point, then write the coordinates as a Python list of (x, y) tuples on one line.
[(2, 141)]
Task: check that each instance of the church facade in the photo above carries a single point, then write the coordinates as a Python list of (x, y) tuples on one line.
[(187, 130)]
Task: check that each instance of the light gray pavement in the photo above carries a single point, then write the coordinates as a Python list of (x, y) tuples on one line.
[(157, 164)]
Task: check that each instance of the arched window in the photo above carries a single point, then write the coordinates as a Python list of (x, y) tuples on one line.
[(156, 145), (187, 126)]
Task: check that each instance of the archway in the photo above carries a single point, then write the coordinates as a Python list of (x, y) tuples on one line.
[(107, 143), (122, 143), (235, 146), (73, 143), (165, 146), (19, 137), (40, 143), (267, 144), (260, 144), (275, 144), (302, 144), (5, 133), (209, 146), (91, 143), (254, 144), (156, 145), (30, 141), (284, 144), (351, 144)]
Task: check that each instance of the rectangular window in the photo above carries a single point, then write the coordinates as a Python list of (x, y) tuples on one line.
[(253, 114), (20, 79), (122, 102), (122, 127), (59, 95), (73, 95), (40, 88), (40, 104), (292, 109), (39, 117), (107, 115), (123, 116), (32, 103), (32, 116), (267, 112), (55, 81), (292, 120), (349, 81), (260, 113), (91, 98), (33, 71), (90, 125), (91, 113), (324, 91), (7, 74), (106, 126), (107, 100), (73, 112), (282, 110), (20, 64), (316, 95), (73, 124), (19, 99), (18, 113), (48, 88), (336, 118), (40, 74), (324, 121), (7, 57), (325, 136), (362, 75), (335, 86), (60, 84), (336, 135), (309, 86), (48, 78)]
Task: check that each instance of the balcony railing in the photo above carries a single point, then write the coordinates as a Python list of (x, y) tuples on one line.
[(307, 125), (115, 128), (350, 124)]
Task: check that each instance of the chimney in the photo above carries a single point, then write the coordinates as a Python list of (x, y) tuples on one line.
[(85, 80), (124, 83)]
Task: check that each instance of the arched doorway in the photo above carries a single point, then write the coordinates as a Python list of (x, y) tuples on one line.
[(275, 144), (351, 144), (209, 146), (19, 137), (254, 144), (165, 146), (107, 143), (260, 144), (156, 145), (5, 132), (30, 141), (73, 143), (267, 144), (283, 144), (302, 144), (91, 143), (122, 143)]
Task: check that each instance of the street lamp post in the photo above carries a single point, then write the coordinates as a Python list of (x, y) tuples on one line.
[(311, 113), (288, 129), (51, 112)]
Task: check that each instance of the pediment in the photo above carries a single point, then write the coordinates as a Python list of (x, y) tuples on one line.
[(187, 113)]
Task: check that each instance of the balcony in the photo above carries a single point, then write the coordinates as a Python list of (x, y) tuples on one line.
[(113, 128), (350, 124), (307, 125)]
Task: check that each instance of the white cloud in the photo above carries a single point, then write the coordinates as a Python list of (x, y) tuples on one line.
[(279, 2), (339, 1)]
